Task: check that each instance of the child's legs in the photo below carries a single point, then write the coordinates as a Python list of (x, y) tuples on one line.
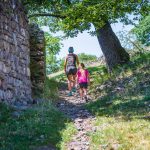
[(81, 92), (85, 91)]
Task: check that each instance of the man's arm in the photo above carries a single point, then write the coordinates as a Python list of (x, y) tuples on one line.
[(77, 59), (65, 64)]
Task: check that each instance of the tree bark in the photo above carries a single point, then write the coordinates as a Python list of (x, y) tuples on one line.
[(113, 52)]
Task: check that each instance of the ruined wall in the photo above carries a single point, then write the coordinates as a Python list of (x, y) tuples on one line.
[(37, 54), (15, 82)]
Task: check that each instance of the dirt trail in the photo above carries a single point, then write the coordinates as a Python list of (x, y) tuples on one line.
[(73, 108)]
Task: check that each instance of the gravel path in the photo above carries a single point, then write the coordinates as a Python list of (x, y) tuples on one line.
[(73, 108)]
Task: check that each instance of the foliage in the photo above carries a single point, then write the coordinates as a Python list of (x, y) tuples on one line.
[(126, 38), (129, 41), (61, 63), (68, 15), (5, 112), (37, 126), (124, 135), (122, 105), (74, 16), (86, 57), (53, 46), (50, 89), (142, 31)]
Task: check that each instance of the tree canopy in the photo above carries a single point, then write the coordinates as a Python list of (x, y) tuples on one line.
[(73, 16)]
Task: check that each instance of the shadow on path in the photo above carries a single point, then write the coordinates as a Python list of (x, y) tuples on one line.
[(72, 106)]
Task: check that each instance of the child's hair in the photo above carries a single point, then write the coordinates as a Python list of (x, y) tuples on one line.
[(82, 65)]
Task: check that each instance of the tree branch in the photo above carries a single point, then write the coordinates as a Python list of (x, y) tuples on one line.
[(47, 15)]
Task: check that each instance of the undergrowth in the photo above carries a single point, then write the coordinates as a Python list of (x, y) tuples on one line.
[(122, 106), (37, 126), (50, 89)]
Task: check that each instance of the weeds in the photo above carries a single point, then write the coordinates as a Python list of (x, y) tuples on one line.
[(122, 108), (37, 126), (50, 89)]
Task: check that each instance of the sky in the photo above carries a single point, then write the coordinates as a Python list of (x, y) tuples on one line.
[(85, 43)]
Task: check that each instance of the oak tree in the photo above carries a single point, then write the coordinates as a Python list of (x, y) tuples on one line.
[(74, 16)]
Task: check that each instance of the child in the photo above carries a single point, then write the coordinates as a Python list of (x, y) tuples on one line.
[(83, 80)]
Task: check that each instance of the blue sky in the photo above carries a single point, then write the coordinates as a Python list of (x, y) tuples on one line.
[(85, 43)]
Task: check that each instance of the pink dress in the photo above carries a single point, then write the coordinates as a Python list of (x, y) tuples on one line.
[(83, 76)]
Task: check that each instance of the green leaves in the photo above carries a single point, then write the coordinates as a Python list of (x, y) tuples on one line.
[(87, 57), (74, 16), (53, 46), (142, 31)]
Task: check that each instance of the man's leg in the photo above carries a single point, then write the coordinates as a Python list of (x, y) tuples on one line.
[(74, 80), (74, 72), (70, 85), (69, 82)]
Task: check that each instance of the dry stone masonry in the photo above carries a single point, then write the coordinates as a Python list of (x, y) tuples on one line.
[(37, 53), (15, 82)]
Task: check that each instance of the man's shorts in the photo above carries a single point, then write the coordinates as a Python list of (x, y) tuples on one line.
[(71, 71), (83, 85)]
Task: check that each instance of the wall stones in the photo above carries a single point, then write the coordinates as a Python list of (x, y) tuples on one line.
[(15, 82), (37, 54)]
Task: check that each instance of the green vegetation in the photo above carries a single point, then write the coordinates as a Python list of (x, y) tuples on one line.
[(68, 15), (121, 100), (52, 48), (50, 89), (142, 31), (85, 58), (122, 106), (37, 126), (124, 135)]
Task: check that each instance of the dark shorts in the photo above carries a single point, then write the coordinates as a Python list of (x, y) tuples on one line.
[(71, 71), (83, 85)]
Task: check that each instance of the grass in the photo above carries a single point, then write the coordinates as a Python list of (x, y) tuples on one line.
[(122, 108), (37, 126), (50, 89), (124, 135), (67, 135)]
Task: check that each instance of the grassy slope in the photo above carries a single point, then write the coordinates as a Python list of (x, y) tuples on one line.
[(41, 125), (122, 108), (122, 105)]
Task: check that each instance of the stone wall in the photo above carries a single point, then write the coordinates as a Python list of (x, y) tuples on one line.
[(37, 54), (15, 82)]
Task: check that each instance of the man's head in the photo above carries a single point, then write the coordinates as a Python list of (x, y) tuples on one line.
[(71, 50)]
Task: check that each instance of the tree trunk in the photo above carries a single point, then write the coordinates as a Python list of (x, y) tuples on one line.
[(113, 52)]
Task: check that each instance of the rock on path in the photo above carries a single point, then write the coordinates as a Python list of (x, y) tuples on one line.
[(73, 107)]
